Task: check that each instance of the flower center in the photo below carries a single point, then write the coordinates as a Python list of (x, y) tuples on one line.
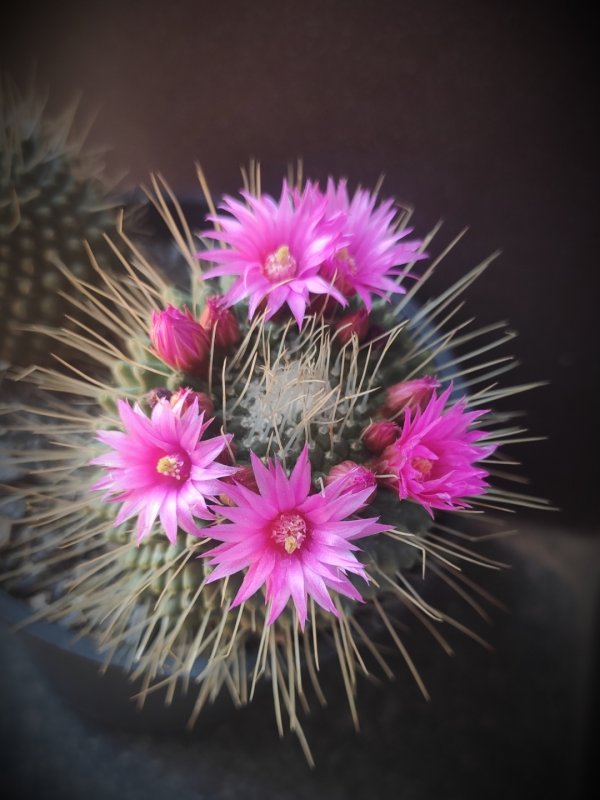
[(280, 265), (289, 530), (423, 466), (173, 466)]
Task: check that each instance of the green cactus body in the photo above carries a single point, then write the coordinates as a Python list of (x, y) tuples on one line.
[(264, 411), (276, 390), (52, 200)]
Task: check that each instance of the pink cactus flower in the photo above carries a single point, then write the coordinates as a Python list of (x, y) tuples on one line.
[(275, 248), (408, 396), (217, 317), (295, 543), (433, 460), (373, 259), (356, 478), (180, 341), (379, 435), (160, 467)]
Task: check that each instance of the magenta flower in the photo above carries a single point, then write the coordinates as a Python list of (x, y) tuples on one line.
[(179, 341), (276, 250), (433, 459), (370, 261), (160, 467), (293, 542)]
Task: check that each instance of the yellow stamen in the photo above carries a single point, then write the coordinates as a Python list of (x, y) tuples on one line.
[(170, 465), (290, 544)]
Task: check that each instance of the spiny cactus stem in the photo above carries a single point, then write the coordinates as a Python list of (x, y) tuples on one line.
[(250, 342), (391, 338), (174, 573)]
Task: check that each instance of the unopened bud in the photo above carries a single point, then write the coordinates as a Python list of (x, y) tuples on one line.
[(378, 435), (179, 341), (219, 321)]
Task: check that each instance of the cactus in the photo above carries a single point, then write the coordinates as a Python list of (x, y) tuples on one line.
[(53, 198), (277, 390)]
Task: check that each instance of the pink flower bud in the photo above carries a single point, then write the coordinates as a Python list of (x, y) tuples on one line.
[(408, 395), (182, 399), (378, 435), (216, 316), (356, 478), (357, 322), (179, 341), (155, 395)]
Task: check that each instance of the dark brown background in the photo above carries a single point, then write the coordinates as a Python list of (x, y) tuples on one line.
[(481, 113)]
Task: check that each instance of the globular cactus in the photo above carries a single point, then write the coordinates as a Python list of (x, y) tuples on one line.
[(53, 198), (282, 403), (334, 404)]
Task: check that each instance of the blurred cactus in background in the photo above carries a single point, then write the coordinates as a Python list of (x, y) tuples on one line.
[(54, 198)]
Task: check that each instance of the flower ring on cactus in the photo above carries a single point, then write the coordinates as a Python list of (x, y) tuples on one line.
[(433, 459), (276, 250), (179, 340), (161, 467), (296, 543)]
